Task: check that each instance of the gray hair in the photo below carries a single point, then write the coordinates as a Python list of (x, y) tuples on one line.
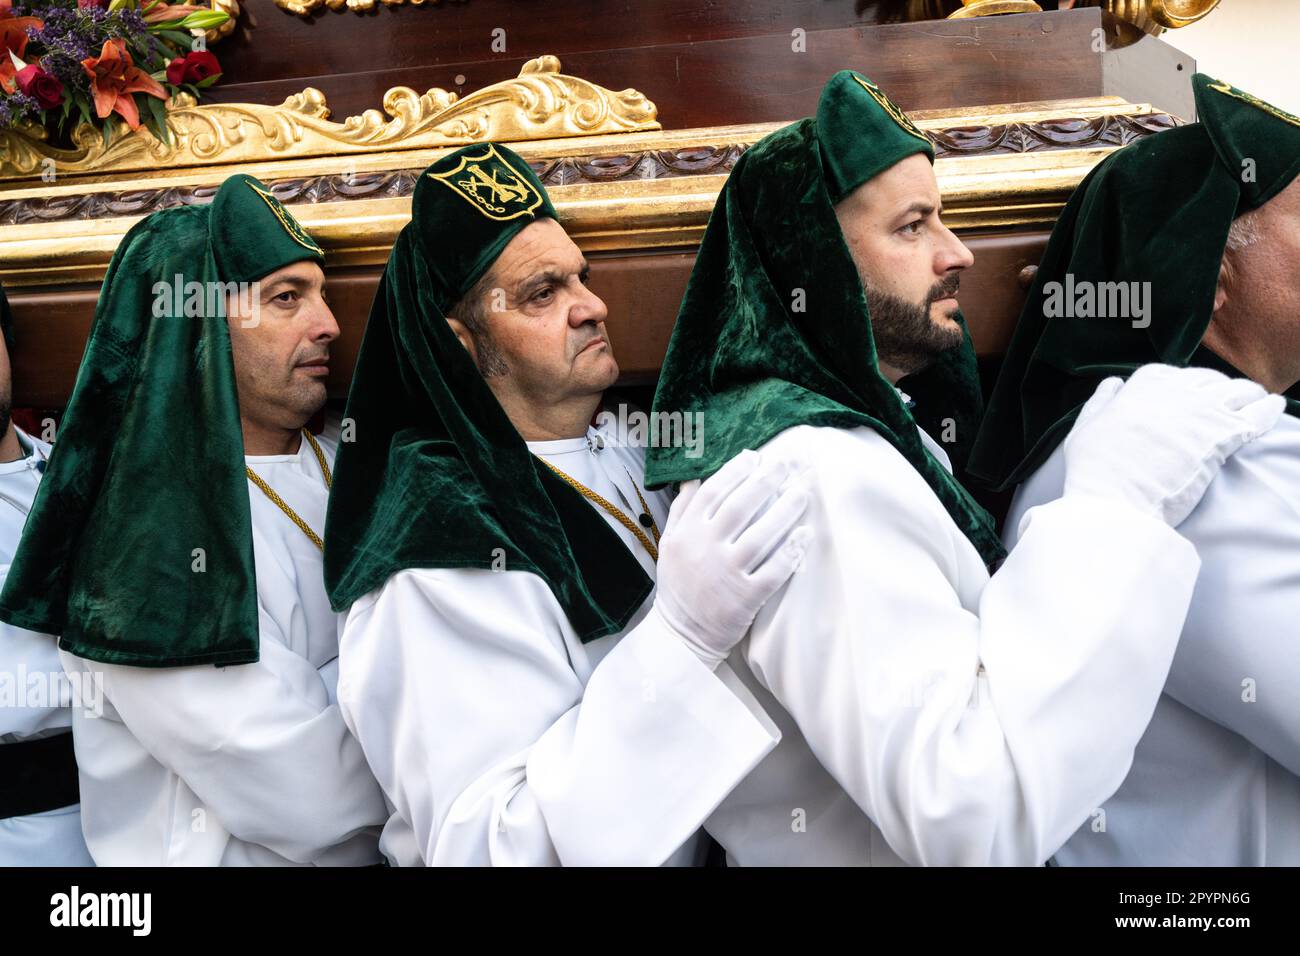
[(472, 311), (1243, 232)]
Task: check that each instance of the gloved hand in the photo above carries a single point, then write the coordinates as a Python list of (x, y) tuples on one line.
[(1158, 440), (329, 675), (729, 544)]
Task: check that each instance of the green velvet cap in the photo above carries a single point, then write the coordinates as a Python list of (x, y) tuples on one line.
[(470, 204), (437, 476), (756, 359), (253, 235), (1156, 211), (138, 549), (862, 133), (1249, 135)]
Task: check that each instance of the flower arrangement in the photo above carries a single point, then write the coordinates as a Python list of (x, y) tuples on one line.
[(101, 62)]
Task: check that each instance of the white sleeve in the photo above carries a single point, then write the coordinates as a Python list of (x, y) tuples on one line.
[(37, 656), (259, 744), (1238, 663), (459, 687), (981, 736)]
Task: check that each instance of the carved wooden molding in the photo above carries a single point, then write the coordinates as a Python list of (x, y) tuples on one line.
[(1063, 133), (1154, 16), (540, 103), (230, 7), (1149, 16), (998, 167), (629, 167)]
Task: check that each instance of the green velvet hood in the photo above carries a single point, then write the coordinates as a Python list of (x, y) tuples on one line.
[(1157, 211), (138, 549), (752, 363), (437, 476), (6, 320)]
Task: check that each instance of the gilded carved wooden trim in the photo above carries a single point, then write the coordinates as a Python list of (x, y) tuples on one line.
[(541, 103), (653, 161), (1154, 16), (1063, 133), (1150, 16), (998, 167), (230, 7)]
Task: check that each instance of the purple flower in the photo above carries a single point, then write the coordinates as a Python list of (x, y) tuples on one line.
[(17, 107)]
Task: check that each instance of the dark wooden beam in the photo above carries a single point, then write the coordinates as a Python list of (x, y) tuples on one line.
[(712, 80)]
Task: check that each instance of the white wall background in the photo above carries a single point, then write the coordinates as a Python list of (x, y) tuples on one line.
[(1252, 44)]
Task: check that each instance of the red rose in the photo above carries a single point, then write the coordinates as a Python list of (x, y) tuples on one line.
[(97, 4), (47, 90), (192, 68)]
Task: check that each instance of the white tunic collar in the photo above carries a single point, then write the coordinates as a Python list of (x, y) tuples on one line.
[(33, 455), (304, 458), (591, 441)]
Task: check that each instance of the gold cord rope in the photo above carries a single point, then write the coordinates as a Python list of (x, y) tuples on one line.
[(618, 513), (280, 503)]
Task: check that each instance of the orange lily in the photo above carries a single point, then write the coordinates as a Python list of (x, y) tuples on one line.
[(114, 77), (13, 36)]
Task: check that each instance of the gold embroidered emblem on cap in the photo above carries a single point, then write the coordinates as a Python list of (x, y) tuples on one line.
[(491, 185), (1230, 90), (886, 104), (291, 225)]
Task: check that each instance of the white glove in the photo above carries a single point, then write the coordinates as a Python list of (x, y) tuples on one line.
[(729, 544), (1158, 440), (329, 675)]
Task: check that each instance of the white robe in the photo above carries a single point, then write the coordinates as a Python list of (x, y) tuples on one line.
[(1216, 778), (242, 765), (501, 739), (51, 838), (930, 714)]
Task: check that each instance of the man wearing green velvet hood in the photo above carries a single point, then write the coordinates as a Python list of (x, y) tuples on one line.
[(1207, 216), (40, 820), (174, 547), (932, 711), (535, 673)]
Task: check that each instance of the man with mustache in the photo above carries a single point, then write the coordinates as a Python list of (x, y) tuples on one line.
[(1209, 216), (175, 547), (937, 704), (534, 671), (40, 820)]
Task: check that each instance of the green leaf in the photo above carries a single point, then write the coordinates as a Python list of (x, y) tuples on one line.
[(107, 130), (207, 81), (159, 113), (205, 20), (121, 5), (182, 40)]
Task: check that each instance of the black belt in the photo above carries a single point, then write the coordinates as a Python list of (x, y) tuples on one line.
[(38, 775)]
